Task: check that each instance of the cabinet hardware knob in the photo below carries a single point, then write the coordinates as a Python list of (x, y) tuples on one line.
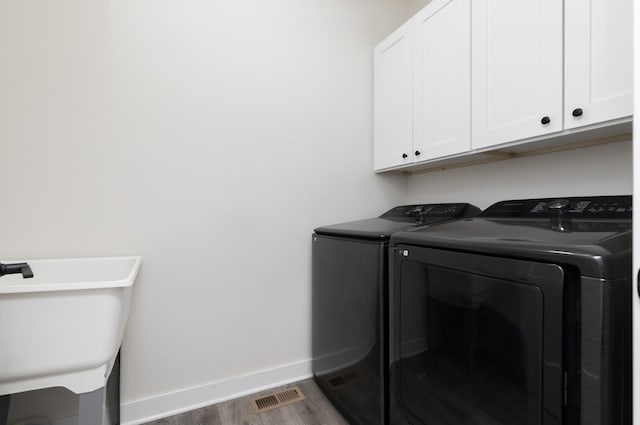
[(577, 112), (417, 153), (404, 155), (545, 120)]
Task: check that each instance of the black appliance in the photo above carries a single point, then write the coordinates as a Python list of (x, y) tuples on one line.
[(350, 306), (521, 315)]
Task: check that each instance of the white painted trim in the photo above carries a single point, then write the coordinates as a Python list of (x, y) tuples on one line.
[(150, 409), (73, 420), (139, 412)]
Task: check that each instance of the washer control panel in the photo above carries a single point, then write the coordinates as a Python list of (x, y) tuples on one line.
[(576, 207), (427, 210)]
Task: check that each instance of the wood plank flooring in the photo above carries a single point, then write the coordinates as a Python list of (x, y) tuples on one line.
[(314, 410)]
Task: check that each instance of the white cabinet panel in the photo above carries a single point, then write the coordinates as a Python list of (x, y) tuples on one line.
[(598, 61), (442, 79), (466, 76), (517, 69), (393, 109)]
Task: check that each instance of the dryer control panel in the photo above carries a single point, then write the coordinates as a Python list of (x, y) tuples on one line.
[(430, 210), (601, 207)]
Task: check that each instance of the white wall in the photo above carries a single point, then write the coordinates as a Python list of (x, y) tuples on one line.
[(210, 137), (414, 6), (599, 170)]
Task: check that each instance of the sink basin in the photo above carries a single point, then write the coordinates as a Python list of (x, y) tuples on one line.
[(64, 326)]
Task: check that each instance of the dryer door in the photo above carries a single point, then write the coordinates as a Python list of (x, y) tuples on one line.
[(475, 339)]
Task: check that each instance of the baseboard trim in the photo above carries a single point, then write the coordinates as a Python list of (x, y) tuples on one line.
[(73, 420), (151, 409), (182, 401)]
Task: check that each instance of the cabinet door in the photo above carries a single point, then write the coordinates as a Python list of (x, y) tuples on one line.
[(516, 69), (393, 86), (598, 61), (442, 79)]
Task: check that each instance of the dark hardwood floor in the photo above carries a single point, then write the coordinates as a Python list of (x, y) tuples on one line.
[(315, 409)]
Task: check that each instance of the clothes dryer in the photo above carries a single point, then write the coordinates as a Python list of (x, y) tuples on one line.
[(521, 315), (350, 306)]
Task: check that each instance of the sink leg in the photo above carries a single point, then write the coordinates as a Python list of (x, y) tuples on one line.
[(5, 400), (113, 392), (90, 407)]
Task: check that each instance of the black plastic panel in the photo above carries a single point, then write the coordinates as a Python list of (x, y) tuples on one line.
[(348, 336), (431, 210), (601, 207)]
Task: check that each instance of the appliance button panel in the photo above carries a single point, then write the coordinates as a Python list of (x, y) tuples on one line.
[(426, 210), (595, 207)]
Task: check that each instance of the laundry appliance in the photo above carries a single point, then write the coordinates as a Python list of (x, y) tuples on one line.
[(350, 306), (521, 315)]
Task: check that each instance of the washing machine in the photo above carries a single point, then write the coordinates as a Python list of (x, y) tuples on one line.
[(521, 315), (350, 306)]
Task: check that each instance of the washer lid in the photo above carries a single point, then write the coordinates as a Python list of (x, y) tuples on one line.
[(586, 237), (399, 218)]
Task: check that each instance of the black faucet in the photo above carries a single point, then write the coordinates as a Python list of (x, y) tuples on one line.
[(16, 268)]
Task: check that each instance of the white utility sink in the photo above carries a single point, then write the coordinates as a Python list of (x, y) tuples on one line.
[(64, 326)]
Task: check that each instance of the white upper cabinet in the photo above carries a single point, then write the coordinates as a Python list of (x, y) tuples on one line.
[(517, 69), (442, 79), (598, 75), (393, 103), (481, 77)]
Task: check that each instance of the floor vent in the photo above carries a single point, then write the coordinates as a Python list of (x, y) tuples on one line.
[(277, 399)]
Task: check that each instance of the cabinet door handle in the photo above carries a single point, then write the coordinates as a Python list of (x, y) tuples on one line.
[(577, 112), (545, 120), (404, 155), (417, 153)]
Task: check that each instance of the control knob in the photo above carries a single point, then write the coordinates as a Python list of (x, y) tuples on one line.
[(558, 205)]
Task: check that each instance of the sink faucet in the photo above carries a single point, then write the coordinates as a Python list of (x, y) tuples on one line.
[(16, 268)]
